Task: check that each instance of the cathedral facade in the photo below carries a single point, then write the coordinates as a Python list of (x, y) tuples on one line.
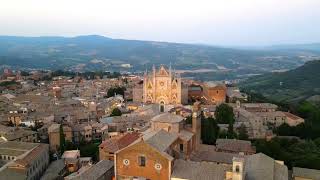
[(164, 87)]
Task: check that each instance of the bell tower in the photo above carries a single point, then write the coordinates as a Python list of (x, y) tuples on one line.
[(196, 124), (238, 170)]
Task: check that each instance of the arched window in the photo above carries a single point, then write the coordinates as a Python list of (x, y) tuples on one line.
[(161, 106), (237, 168)]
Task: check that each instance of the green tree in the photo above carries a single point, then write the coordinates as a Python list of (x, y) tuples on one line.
[(224, 114), (62, 140), (116, 112), (243, 134), (209, 130), (115, 90), (189, 120)]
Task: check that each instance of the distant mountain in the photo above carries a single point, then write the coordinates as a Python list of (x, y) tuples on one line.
[(310, 47), (98, 52), (298, 84)]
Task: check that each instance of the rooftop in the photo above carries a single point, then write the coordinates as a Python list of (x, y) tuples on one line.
[(53, 170), (306, 173), (93, 172), (234, 145), (197, 170), (259, 105), (18, 133), (261, 166), (25, 161), (72, 154), (14, 148), (113, 145), (167, 118), (160, 140), (213, 156)]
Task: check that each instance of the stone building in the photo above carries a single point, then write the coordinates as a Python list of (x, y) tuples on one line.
[(305, 174), (54, 135), (23, 160), (214, 93), (152, 156), (164, 87), (108, 147)]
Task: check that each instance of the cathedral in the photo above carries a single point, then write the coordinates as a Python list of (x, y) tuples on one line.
[(163, 87)]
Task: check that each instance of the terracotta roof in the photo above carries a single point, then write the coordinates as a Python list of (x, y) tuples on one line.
[(234, 145), (113, 145), (167, 118), (27, 160), (292, 116)]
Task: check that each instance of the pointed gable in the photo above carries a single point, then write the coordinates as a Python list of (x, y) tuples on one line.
[(163, 71)]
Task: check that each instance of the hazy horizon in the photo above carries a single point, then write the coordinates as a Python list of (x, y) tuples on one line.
[(215, 22)]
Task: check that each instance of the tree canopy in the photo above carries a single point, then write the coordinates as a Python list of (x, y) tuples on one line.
[(224, 114), (116, 112), (116, 90)]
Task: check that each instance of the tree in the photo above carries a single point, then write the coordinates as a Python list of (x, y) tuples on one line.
[(115, 90), (116, 112), (62, 139), (189, 120), (224, 114), (243, 134), (209, 130)]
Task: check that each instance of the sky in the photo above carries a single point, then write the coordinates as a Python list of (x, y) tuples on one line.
[(214, 22)]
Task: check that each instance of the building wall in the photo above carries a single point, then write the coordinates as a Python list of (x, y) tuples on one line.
[(170, 127), (138, 93), (132, 153), (162, 87), (301, 178), (54, 139), (39, 164), (105, 155), (215, 95)]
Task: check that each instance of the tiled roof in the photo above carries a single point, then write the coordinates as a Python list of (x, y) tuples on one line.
[(167, 118), (53, 170), (14, 148), (93, 172), (27, 160), (234, 145), (217, 157), (72, 154), (161, 140), (198, 170), (292, 116), (18, 133), (306, 173), (113, 145), (261, 166)]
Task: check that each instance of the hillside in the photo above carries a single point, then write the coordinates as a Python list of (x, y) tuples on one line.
[(98, 52), (297, 84)]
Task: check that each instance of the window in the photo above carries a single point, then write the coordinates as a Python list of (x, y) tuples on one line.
[(142, 161), (237, 168), (181, 147)]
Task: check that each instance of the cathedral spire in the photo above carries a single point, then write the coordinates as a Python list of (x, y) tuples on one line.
[(170, 70)]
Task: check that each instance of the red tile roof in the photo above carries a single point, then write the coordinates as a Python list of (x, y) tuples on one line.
[(113, 145)]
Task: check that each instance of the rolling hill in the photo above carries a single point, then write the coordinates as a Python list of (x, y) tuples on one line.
[(98, 52), (298, 84)]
